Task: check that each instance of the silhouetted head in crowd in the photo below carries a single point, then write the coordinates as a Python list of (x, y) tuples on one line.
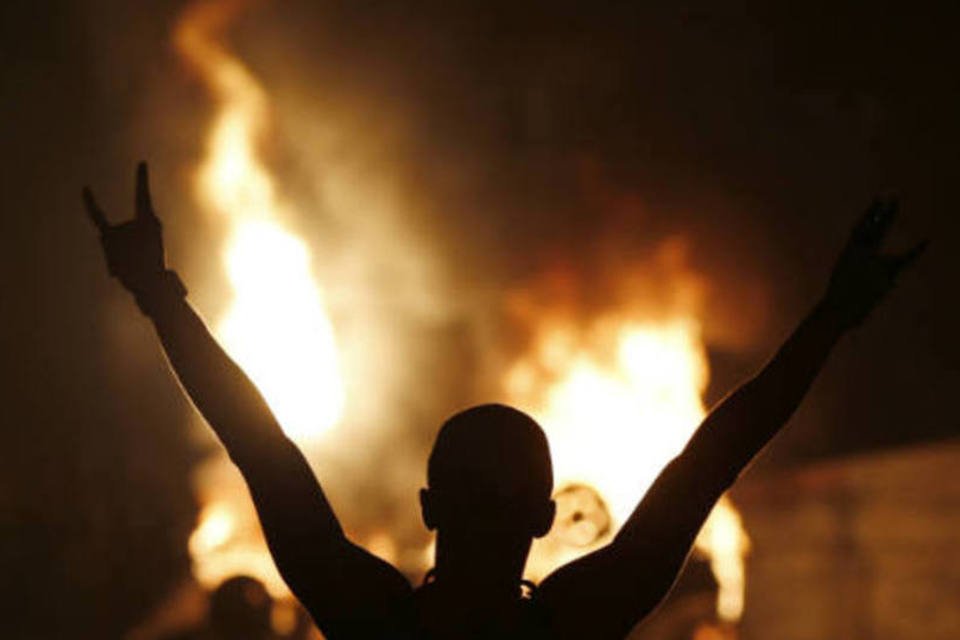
[(240, 609), (489, 489)]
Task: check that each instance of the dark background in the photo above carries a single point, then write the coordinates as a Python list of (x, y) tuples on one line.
[(756, 132)]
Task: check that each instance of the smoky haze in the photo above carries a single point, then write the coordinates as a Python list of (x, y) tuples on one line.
[(489, 143)]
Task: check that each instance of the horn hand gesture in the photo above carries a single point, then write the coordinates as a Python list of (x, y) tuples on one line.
[(134, 249), (863, 275)]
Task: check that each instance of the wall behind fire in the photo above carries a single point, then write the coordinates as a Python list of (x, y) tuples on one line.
[(860, 547)]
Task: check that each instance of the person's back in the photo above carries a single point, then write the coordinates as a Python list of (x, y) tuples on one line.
[(489, 477), (441, 613)]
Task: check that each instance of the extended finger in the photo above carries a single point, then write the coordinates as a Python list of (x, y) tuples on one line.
[(900, 262), (877, 220), (144, 206), (94, 212)]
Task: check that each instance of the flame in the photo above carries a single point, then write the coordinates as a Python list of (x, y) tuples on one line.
[(217, 525), (724, 540), (278, 331), (276, 327), (634, 410), (618, 400)]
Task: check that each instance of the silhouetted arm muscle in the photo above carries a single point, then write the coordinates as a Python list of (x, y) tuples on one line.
[(345, 588), (238, 414), (625, 580), (606, 593), (342, 585), (221, 391), (739, 426)]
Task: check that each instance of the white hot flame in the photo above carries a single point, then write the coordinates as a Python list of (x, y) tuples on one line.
[(618, 402), (276, 327)]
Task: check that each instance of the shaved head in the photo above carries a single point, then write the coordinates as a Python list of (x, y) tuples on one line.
[(494, 453)]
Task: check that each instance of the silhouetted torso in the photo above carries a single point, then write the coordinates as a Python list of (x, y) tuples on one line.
[(440, 615)]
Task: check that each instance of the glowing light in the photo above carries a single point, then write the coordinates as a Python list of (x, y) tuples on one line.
[(619, 405), (724, 540), (215, 528), (619, 400), (276, 327)]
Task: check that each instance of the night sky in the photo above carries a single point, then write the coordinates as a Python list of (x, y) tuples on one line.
[(527, 136)]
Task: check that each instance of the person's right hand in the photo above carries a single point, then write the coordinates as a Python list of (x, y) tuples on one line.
[(133, 249), (863, 274)]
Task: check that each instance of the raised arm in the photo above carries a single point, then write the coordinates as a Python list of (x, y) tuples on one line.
[(342, 585), (625, 580)]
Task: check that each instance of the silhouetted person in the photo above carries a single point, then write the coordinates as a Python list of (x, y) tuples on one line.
[(489, 476), (240, 609)]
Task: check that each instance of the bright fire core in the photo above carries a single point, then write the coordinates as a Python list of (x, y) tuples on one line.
[(618, 400), (276, 328)]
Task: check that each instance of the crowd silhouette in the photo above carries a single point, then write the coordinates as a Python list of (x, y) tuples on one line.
[(489, 476), (241, 608)]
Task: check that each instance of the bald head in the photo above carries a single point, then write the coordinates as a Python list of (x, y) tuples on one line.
[(494, 454), (490, 482)]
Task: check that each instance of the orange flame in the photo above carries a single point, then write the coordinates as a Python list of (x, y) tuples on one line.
[(724, 541), (276, 328), (619, 398)]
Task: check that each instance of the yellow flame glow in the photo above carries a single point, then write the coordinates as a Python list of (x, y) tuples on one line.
[(613, 423), (276, 327), (725, 541), (618, 402), (216, 526)]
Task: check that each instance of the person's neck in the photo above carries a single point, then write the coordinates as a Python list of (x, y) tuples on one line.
[(490, 573), (485, 584)]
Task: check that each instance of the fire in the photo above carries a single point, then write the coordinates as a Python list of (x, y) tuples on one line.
[(618, 397), (724, 540), (632, 409), (276, 327), (618, 400), (216, 526)]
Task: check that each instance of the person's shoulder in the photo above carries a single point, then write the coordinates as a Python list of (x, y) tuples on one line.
[(424, 597)]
